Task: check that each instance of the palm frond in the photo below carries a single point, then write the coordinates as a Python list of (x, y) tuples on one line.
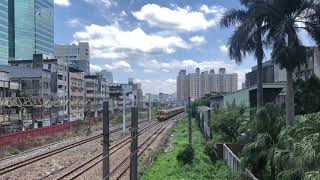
[(233, 17)]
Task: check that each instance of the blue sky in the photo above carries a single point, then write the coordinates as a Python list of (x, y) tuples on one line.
[(149, 40)]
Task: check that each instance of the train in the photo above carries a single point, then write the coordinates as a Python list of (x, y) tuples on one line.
[(163, 115)]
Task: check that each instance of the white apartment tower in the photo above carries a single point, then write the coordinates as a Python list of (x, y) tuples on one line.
[(196, 85)]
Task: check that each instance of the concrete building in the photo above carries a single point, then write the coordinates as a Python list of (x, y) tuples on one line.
[(273, 73), (76, 91), (132, 92), (268, 74), (196, 85), (9, 116), (311, 66), (34, 83), (31, 28), (182, 85), (4, 32), (58, 85), (95, 87), (77, 56)]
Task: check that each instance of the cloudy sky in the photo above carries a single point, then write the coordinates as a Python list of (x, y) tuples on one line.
[(150, 40)]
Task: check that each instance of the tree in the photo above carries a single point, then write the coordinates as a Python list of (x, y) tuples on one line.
[(284, 19), (247, 38), (268, 124), (306, 96)]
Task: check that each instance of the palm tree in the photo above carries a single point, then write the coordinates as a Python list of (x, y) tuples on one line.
[(284, 19), (261, 152), (298, 152), (247, 38)]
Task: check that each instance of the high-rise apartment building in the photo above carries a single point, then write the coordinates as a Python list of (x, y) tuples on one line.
[(4, 50), (196, 85), (107, 75), (31, 28), (78, 56)]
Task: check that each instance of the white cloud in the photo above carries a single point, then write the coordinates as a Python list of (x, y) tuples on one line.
[(148, 71), (224, 49), (123, 13), (95, 68), (182, 19), (112, 42), (104, 3), (216, 10), (198, 40), (190, 66), (118, 65), (157, 86), (74, 22), (62, 2)]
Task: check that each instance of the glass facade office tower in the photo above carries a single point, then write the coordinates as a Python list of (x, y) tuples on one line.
[(31, 28), (4, 32)]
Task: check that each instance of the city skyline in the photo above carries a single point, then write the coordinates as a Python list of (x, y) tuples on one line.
[(135, 41)]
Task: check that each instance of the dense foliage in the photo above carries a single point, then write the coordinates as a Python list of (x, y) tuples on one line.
[(268, 123), (186, 155), (228, 121), (298, 153), (307, 95), (272, 151)]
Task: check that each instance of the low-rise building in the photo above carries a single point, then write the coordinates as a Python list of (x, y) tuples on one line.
[(96, 88), (9, 116), (77, 92), (58, 84), (248, 96), (34, 83)]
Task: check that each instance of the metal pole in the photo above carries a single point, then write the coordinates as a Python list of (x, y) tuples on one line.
[(124, 115), (106, 142), (150, 107), (190, 125), (134, 144)]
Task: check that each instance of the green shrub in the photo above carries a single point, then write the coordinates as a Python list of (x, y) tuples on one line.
[(186, 155)]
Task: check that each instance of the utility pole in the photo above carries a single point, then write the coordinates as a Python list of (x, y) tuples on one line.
[(106, 141), (190, 123), (150, 107), (134, 144), (123, 114)]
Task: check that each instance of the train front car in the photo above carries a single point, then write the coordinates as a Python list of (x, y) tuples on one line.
[(161, 115)]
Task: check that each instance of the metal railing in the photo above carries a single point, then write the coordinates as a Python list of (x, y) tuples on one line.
[(234, 162)]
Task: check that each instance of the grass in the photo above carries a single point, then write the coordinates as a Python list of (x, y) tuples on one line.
[(166, 166)]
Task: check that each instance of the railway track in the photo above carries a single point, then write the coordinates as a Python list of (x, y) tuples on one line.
[(143, 147), (89, 164), (47, 154)]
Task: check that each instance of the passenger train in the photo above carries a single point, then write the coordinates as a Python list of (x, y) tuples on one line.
[(163, 115)]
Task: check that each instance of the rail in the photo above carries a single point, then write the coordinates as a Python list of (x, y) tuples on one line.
[(234, 163)]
